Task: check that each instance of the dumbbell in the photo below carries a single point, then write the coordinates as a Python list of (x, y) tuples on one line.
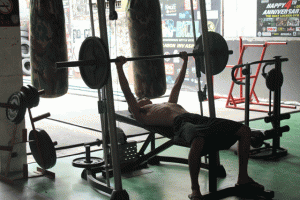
[(258, 137), (89, 162)]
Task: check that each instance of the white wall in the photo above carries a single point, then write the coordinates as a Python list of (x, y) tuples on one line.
[(11, 80)]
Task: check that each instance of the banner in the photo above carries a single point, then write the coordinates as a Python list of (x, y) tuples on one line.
[(278, 18), (178, 34)]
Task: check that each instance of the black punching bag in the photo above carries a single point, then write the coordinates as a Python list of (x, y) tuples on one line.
[(48, 46), (145, 33)]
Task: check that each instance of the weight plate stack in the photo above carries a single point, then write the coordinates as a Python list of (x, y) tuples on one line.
[(31, 96)]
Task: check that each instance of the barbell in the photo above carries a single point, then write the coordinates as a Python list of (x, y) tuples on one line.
[(94, 61), (27, 97)]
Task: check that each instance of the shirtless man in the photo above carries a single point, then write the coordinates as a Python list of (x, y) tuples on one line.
[(202, 133)]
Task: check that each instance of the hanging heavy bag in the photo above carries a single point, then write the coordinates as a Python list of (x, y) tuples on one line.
[(145, 33), (48, 46)]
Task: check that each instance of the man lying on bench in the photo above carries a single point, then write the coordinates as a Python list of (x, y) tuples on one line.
[(202, 133)]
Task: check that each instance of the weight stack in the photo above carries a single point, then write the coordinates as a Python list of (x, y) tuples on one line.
[(145, 34), (48, 46)]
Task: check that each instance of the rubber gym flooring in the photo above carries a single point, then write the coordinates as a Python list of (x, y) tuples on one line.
[(166, 181)]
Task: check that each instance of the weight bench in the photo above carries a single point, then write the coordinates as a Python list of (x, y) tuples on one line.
[(215, 169), (152, 157)]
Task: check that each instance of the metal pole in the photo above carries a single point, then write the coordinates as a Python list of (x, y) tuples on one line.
[(103, 114), (104, 125), (276, 110), (213, 157), (247, 95), (110, 103), (92, 18), (193, 18), (207, 63), (199, 79)]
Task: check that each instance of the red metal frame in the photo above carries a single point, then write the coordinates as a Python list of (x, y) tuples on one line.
[(231, 101)]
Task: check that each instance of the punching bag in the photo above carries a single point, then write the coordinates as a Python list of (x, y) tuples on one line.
[(145, 33), (48, 46)]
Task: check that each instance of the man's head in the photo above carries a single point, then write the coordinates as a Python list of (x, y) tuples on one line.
[(144, 101)]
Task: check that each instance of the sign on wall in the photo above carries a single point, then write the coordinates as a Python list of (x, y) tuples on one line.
[(9, 13), (178, 34), (278, 18)]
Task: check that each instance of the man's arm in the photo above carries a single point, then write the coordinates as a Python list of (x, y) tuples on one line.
[(179, 80), (132, 103)]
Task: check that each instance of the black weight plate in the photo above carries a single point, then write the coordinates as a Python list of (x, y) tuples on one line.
[(35, 96), (274, 80), (31, 96), (218, 49), (27, 95), (94, 76), (42, 148), (81, 162), (16, 115)]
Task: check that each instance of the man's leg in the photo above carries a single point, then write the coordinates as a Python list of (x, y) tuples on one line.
[(244, 134), (194, 164)]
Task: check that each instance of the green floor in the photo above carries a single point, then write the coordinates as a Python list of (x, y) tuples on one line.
[(171, 181)]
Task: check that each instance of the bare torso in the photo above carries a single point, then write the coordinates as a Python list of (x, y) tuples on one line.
[(160, 114)]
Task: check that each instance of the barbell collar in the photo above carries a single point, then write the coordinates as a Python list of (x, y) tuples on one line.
[(41, 92)]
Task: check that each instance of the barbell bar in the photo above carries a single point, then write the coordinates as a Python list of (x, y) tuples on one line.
[(94, 61)]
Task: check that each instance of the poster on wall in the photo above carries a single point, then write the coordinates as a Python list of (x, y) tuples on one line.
[(178, 34), (278, 18)]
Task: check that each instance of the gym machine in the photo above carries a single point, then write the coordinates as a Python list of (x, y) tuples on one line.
[(274, 81)]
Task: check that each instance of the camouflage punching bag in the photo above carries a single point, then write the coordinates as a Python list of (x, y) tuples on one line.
[(145, 33), (48, 46)]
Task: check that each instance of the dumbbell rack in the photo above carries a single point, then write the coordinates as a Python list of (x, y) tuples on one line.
[(269, 151), (232, 102), (273, 151)]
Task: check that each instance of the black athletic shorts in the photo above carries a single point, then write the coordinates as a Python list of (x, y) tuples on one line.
[(219, 134)]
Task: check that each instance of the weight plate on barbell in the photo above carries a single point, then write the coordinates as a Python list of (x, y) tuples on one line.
[(31, 96), (219, 53), (94, 76), (16, 115), (81, 162), (274, 80), (42, 148)]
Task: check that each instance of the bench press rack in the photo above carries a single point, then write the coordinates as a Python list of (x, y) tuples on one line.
[(108, 122)]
